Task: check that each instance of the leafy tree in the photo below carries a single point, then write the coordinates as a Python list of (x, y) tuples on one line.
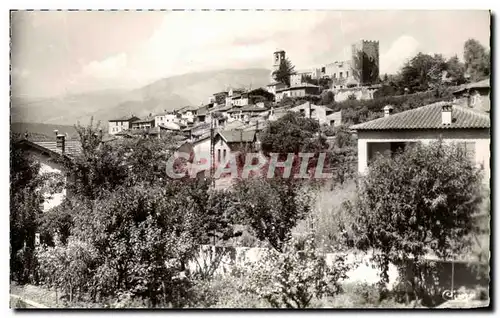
[(477, 60), (282, 74), (417, 74), (417, 202), (291, 133), (28, 190), (343, 155), (272, 207), (455, 71), (365, 68), (327, 98), (297, 275)]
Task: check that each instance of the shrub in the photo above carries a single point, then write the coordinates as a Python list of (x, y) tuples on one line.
[(68, 268), (272, 207), (328, 216), (420, 201), (294, 277)]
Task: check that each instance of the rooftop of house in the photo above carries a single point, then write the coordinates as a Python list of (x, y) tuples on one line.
[(481, 84), (186, 109), (231, 136), (301, 86), (124, 118), (276, 84), (144, 120), (169, 126), (429, 117), (72, 148), (165, 112)]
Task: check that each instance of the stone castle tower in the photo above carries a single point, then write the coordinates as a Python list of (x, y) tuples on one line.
[(371, 49), (278, 57)]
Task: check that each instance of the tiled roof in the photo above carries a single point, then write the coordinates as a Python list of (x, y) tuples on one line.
[(429, 117), (72, 147), (481, 84), (231, 136), (236, 124), (304, 85), (123, 118), (253, 108), (145, 120)]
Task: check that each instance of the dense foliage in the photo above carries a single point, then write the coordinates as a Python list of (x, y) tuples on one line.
[(292, 279), (477, 60), (282, 74), (292, 133), (417, 202), (272, 207), (28, 190)]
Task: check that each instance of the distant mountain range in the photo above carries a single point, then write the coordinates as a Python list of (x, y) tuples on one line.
[(164, 94)]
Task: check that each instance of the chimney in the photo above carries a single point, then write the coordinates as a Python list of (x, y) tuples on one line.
[(61, 142), (446, 114), (388, 109)]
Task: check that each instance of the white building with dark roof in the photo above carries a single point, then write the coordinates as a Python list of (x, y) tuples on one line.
[(119, 124), (468, 128)]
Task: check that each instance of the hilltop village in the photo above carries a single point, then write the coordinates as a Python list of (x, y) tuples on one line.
[(250, 110)]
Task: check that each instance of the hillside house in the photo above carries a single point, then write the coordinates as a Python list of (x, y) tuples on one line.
[(298, 91), (145, 123), (188, 114), (258, 95), (474, 95), (118, 124), (202, 115), (231, 141), (219, 99), (52, 156), (239, 100), (468, 128), (323, 114), (164, 118), (244, 114), (274, 87)]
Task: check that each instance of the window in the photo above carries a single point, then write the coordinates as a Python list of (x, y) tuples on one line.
[(332, 122), (334, 75), (469, 149), (218, 155), (347, 74), (340, 75), (224, 155)]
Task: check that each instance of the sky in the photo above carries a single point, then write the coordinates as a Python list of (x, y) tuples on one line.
[(57, 53)]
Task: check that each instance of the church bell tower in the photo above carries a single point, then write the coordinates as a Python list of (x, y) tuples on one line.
[(278, 57)]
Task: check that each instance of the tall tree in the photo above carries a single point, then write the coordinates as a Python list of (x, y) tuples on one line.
[(423, 72), (282, 74), (455, 71), (477, 60)]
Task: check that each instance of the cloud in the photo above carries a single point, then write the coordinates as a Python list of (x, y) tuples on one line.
[(399, 52), (190, 41), (108, 68)]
